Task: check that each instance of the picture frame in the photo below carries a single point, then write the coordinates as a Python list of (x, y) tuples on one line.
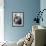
[(17, 19)]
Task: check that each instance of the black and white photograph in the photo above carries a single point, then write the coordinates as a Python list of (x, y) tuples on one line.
[(18, 19)]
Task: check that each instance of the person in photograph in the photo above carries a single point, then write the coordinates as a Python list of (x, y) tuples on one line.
[(17, 20)]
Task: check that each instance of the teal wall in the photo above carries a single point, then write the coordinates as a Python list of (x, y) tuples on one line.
[(43, 6), (29, 7)]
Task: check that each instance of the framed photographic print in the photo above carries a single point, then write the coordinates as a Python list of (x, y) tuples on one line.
[(17, 19)]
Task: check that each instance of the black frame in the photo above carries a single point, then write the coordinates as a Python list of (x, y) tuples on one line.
[(12, 19)]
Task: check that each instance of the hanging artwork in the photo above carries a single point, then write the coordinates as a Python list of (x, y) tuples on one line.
[(17, 19)]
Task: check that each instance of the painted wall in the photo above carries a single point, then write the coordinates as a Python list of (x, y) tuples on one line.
[(43, 6), (29, 7)]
